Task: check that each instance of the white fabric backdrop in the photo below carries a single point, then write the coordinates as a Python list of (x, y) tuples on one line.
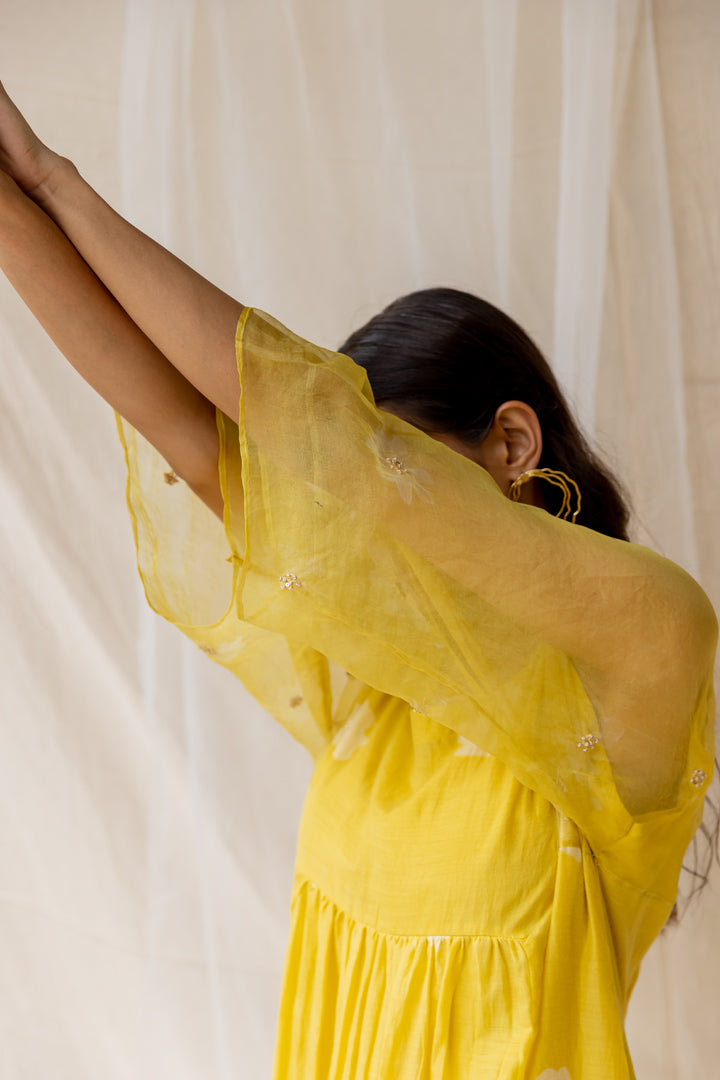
[(559, 159)]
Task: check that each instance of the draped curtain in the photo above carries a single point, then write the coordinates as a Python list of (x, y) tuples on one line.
[(557, 157)]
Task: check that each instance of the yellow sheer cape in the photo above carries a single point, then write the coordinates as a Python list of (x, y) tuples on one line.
[(354, 543)]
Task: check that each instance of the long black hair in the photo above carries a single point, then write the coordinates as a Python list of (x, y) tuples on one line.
[(450, 359)]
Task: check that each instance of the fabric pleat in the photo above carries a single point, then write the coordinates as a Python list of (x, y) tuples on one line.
[(381, 1004)]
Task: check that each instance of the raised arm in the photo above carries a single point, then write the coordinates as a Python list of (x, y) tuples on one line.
[(104, 345), (153, 337), (190, 321)]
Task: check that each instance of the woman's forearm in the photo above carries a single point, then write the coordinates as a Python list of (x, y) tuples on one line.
[(191, 322), (189, 319), (104, 345)]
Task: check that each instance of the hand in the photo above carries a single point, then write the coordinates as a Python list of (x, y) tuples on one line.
[(23, 156)]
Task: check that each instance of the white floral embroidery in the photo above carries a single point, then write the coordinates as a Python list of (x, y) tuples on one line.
[(574, 852), (699, 777), (394, 462), (352, 734), (555, 1074), (588, 742), (468, 749)]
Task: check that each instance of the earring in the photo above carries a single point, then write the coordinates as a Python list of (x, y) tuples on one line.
[(558, 479)]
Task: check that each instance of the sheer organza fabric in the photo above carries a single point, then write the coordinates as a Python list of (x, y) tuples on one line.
[(435, 646)]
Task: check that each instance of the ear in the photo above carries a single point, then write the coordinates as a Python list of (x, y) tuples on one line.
[(514, 443)]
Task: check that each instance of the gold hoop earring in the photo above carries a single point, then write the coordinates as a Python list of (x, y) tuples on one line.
[(553, 476)]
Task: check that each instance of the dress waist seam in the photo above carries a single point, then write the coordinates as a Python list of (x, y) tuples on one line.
[(302, 882)]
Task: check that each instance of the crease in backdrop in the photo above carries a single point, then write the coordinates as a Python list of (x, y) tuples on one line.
[(317, 161)]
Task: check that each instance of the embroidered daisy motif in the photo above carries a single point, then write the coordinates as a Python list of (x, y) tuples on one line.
[(290, 581), (555, 1074), (394, 463)]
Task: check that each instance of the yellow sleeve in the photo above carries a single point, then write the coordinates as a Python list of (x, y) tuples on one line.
[(189, 565), (582, 662)]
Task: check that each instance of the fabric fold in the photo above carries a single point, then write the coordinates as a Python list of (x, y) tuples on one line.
[(360, 545), (376, 1002)]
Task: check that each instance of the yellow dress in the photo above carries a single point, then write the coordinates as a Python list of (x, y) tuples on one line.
[(511, 719)]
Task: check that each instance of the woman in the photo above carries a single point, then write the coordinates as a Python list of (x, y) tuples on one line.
[(510, 713)]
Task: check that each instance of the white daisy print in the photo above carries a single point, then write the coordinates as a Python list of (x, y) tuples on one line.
[(394, 463), (352, 734), (468, 749)]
